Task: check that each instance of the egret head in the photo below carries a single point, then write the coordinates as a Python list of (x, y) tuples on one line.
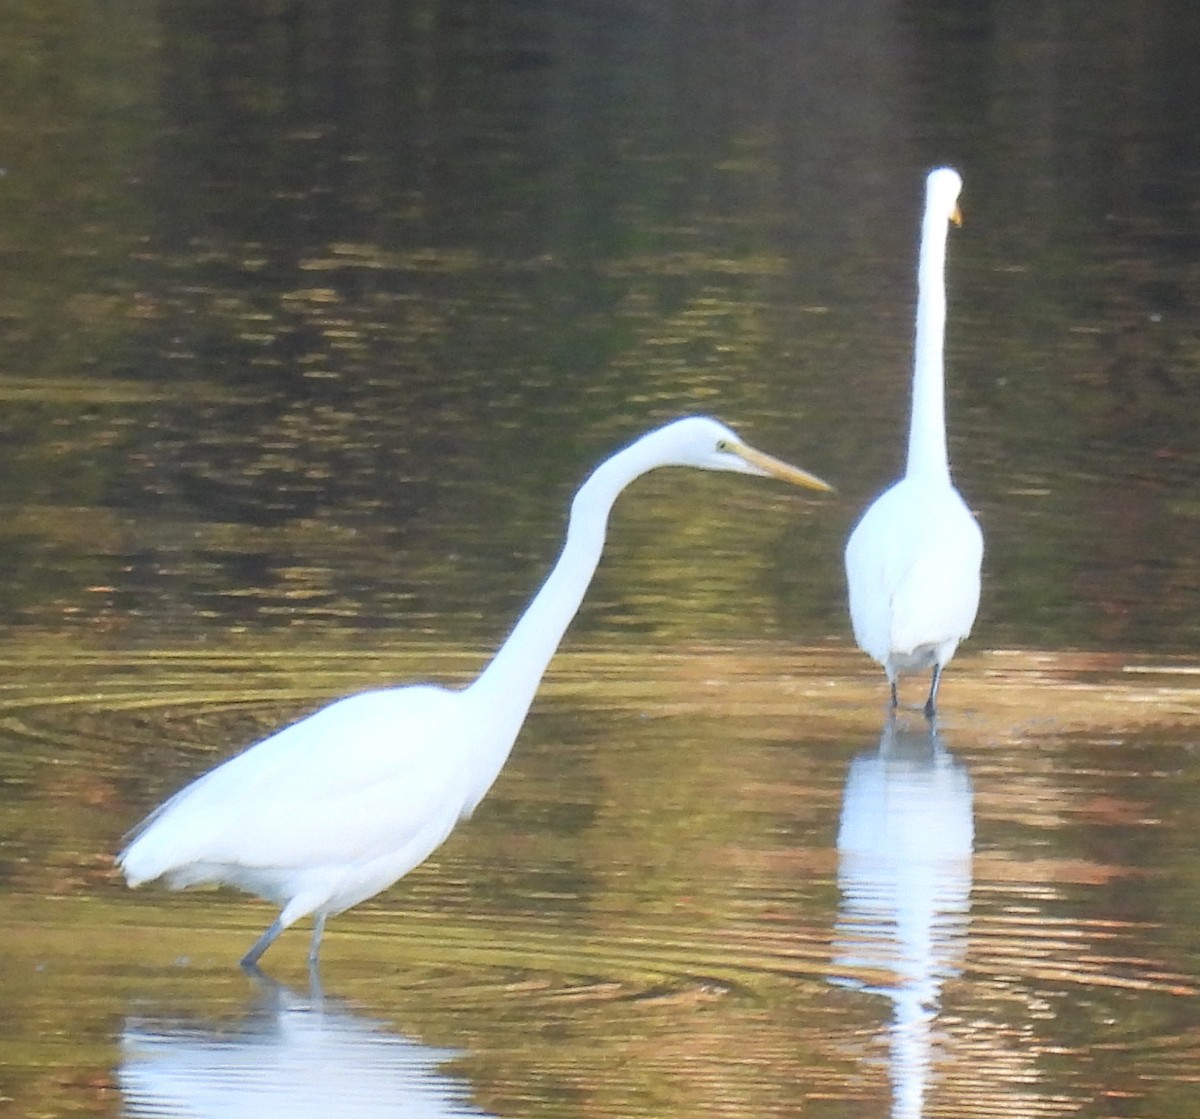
[(708, 444), (942, 188)]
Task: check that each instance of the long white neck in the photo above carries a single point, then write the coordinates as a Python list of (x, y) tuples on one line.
[(927, 454), (508, 684)]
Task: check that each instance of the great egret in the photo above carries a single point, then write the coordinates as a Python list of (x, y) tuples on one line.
[(335, 808), (913, 560)]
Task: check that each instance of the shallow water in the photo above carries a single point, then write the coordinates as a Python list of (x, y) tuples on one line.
[(313, 319), (710, 879)]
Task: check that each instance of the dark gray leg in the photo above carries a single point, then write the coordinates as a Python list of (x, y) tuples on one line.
[(316, 992), (250, 959), (895, 698), (314, 948), (931, 702)]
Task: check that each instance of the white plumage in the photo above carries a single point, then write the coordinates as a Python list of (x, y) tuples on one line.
[(913, 561), (335, 808)]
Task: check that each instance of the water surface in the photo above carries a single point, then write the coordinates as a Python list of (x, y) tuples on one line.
[(714, 878), (313, 320)]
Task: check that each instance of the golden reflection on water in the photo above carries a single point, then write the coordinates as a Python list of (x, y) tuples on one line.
[(646, 913)]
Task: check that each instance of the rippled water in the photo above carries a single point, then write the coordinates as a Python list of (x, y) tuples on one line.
[(711, 880), (314, 316)]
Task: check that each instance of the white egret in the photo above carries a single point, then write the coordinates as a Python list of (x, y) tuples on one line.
[(913, 560), (335, 808)]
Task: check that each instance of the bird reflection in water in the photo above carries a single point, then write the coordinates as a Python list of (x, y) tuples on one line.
[(288, 1057), (904, 868)]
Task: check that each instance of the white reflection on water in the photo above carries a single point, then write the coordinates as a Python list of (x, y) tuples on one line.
[(289, 1057), (904, 868)]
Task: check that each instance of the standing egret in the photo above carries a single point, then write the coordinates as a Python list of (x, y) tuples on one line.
[(335, 808), (913, 560)]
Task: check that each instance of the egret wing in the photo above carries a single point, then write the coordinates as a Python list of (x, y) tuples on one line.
[(938, 596), (357, 779)]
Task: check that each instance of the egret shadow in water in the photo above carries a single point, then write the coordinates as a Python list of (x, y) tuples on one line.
[(905, 845), (287, 1056)]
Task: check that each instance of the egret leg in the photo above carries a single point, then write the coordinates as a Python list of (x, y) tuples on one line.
[(250, 959), (931, 702), (314, 948), (895, 697), (316, 991)]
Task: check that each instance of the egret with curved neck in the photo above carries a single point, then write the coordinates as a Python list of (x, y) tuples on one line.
[(331, 810), (913, 560)]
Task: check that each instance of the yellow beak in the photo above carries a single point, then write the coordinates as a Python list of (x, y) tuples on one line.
[(776, 468)]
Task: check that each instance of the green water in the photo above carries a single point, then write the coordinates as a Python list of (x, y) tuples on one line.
[(312, 320)]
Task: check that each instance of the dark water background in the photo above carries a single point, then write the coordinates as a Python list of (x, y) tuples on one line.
[(312, 317)]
